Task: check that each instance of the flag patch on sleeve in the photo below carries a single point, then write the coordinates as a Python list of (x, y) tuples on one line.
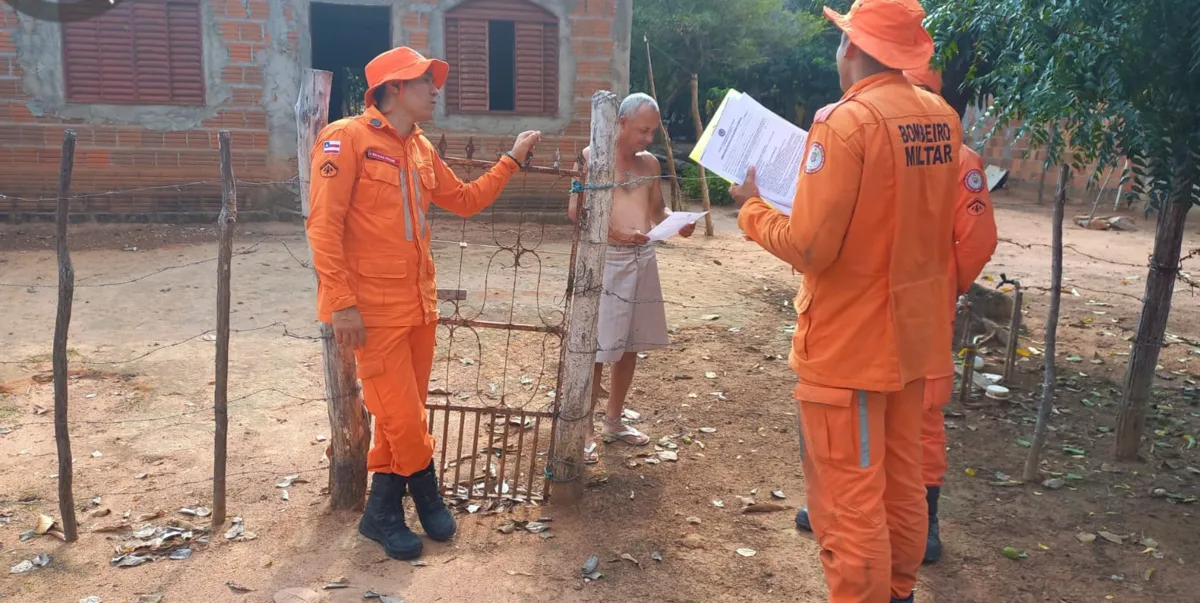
[(333, 147)]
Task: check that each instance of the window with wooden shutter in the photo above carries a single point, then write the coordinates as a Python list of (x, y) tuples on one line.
[(503, 57), (147, 53)]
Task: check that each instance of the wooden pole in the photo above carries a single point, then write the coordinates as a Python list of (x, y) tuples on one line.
[(1099, 195), (62, 323), (312, 115), (675, 203), (225, 226), (1120, 186), (708, 224), (1050, 378), (1014, 330), (565, 464), (350, 424), (968, 342)]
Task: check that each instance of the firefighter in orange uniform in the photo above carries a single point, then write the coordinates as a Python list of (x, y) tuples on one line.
[(871, 229), (974, 243), (373, 179)]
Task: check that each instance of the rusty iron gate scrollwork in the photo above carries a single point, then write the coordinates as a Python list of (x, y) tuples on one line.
[(493, 393)]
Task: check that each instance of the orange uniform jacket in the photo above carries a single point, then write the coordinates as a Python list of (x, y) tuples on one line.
[(873, 246), (368, 224)]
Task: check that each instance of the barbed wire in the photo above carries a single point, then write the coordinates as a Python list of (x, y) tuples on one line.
[(1180, 275), (174, 344), (300, 401), (251, 249), (178, 187)]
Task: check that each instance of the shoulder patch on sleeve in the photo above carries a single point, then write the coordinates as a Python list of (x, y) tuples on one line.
[(973, 181), (816, 158), (329, 169)]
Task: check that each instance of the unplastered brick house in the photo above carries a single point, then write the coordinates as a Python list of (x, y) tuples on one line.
[(149, 83)]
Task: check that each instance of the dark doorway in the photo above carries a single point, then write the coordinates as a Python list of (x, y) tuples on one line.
[(344, 39)]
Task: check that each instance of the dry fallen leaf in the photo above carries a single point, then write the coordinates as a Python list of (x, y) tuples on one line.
[(1085, 537), (237, 588), (764, 507), (1113, 538)]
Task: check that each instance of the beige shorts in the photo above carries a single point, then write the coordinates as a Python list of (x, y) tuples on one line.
[(632, 315)]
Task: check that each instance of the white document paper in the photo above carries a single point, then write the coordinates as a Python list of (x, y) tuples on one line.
[(673, 224), (744, 133)]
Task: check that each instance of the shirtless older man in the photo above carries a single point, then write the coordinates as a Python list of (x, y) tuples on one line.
[(632, 317)]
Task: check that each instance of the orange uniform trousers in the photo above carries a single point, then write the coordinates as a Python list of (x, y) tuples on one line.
[(862, 465), (394, 368), (933, 429)]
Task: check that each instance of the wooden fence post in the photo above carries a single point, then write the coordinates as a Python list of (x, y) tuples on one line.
[(708, 224), (349, 423), (676, 205), (62, 323), (225, 225), (565, 464)]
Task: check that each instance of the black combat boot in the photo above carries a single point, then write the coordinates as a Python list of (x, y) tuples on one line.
[(933, 546), (383, 519), (802, 522), (908, 599), (435, 518)]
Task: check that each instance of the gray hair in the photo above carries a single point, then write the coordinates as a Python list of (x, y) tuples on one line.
[(634, 102)]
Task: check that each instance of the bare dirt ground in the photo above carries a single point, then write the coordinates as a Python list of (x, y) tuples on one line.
[(142, 430)]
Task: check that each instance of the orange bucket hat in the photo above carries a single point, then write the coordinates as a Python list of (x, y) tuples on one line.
[(924, 76), (889, 30), (402, 63)]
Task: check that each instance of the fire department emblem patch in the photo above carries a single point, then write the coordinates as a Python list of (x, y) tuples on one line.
[(816, 159), (974, 181)]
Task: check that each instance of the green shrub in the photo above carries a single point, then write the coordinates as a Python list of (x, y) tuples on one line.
[(718, 187)]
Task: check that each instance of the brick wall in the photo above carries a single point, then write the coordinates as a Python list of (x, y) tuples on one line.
[(113, 156), (1025, 163)]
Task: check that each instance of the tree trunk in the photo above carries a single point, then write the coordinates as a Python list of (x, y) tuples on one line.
[(578, 357), (676, 205), (708, 224), (62, 324), (1050, 380), (1156, 308)]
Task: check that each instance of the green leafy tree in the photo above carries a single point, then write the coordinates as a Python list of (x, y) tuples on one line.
[(1095, 81), (774, 53)]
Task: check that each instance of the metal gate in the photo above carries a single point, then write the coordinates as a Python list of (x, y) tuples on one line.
[(493, 392)]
